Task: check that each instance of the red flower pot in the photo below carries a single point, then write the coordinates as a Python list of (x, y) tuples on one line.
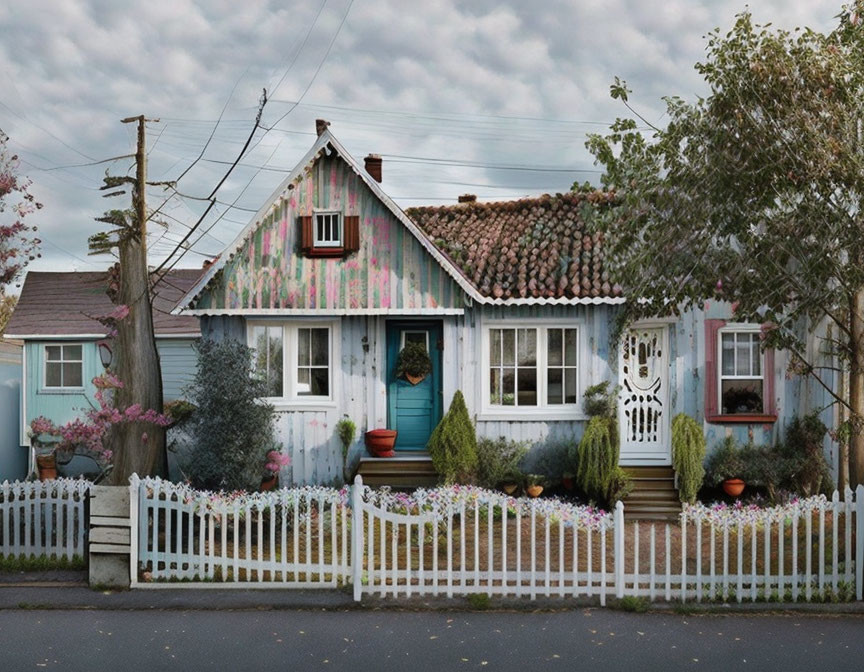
[(380, 442), (269, 484), (733, 487)]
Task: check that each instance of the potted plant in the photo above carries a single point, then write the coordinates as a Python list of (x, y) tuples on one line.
[(345, 430), (380, 442), (275, 462), (413, 363), (534, 484), (47, 465), (726, 467), (510, 481)]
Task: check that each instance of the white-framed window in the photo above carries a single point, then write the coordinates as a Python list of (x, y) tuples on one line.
[(741, 379), (327, 229), (415, 337), (63, 366), (296, 359), (531, 368)]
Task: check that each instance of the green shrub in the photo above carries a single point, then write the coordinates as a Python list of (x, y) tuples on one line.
[(638, 605), (479, 601), (232, 429), (453, 444), (552, 459), (346, 430), (688, 454), (497, 460), (599, 401), (598, 474), (808, 470), (727, 461)]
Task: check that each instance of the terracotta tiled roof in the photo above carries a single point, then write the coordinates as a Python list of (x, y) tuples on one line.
[(533, 248), (56, 304)]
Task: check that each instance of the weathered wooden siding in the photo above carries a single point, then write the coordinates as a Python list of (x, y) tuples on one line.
[(390, 271), (179, 362)]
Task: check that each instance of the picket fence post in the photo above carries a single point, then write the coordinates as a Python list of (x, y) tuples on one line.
[(134, 485), (859, 542), (357, 537), (618, 549)]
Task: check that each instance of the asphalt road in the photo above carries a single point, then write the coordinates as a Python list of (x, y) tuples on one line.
[(391, 640)]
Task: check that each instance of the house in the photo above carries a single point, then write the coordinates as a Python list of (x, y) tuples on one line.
[(65, 346), (331, 278), (13, 461)]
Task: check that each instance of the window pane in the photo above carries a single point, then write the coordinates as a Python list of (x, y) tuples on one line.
[(728, 354), (304, 386), (742, 355), (320, 346), (756, 354), (570, 352), (268, 357), (527, 392), (495, 386), (72, 352), (52, 375), (569, 386), (52, 352), (555, 346), (742, 396), (494, 346), (72, 375), (527, 341), (508, 387), (509, 345), (303, 338), (320, 382), (415, 337), (555, 386)]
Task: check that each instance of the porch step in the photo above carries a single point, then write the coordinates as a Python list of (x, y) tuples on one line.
[(654, 496), (401, 472)]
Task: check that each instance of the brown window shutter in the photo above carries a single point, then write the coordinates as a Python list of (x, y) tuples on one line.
[(307, 240), (352, 234)]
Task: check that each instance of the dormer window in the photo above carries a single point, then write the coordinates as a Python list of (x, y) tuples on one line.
[(328, 233), (328, 229)]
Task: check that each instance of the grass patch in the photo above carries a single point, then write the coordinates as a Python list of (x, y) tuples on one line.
[(478, 601), (638, 605), (40, 563)]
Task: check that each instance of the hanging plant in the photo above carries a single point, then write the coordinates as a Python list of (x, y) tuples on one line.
[(414, 363)]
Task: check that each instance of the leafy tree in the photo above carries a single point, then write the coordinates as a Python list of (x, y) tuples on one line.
[(17, 246), (753, 194), (453, 444), (232, 430)]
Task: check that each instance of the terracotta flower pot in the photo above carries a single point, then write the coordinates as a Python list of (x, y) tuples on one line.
[(413, 379), (269, 483), (534, 490), (509, 488), (47, 465), (380, 442), (733, 487)]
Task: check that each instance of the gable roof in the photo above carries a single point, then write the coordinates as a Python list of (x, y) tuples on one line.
[(60, 304), (533, 250), (325, 143)]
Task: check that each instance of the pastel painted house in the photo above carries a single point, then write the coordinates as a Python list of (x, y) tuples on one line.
[(65, 347), (331, 278)]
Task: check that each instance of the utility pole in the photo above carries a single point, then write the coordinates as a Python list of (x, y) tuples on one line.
[(138, 447)]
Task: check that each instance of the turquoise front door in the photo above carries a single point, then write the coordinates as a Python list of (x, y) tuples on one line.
[(413, 410)]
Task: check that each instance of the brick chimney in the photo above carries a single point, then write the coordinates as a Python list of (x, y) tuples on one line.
[(468, 198), (373, 166), (321, 125)]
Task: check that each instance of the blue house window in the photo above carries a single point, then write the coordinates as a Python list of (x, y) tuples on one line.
[(64, 367)]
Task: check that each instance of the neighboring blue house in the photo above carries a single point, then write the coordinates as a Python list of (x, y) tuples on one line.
[(13, 460), (65, 347), (331, 278)]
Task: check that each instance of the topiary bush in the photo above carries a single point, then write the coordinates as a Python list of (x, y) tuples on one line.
[(498, 460), (453, 444), (232, 429), (688, 454)]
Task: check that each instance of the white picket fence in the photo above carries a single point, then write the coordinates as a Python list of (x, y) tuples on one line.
[(291, 537), (464, 541), (43, 518)]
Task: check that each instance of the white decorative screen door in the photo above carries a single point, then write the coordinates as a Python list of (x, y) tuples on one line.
[(643, 405)]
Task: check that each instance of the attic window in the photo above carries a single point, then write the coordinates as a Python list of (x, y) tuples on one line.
[(328, 229)]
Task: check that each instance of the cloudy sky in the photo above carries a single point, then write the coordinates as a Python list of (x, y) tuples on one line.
[(491, 97)]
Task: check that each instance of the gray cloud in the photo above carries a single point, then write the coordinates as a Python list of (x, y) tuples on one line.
[(430, 79)]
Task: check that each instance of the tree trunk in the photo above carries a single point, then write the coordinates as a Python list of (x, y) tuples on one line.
[(856, 392), (138, 447)]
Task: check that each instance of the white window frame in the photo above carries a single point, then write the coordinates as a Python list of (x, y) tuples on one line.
[(739, 328), (340, 225), (291, 399), (61, 361), (543, 410), (425, 333)]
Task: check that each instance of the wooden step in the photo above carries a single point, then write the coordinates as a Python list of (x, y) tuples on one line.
[(654, 496), (410, 471)]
